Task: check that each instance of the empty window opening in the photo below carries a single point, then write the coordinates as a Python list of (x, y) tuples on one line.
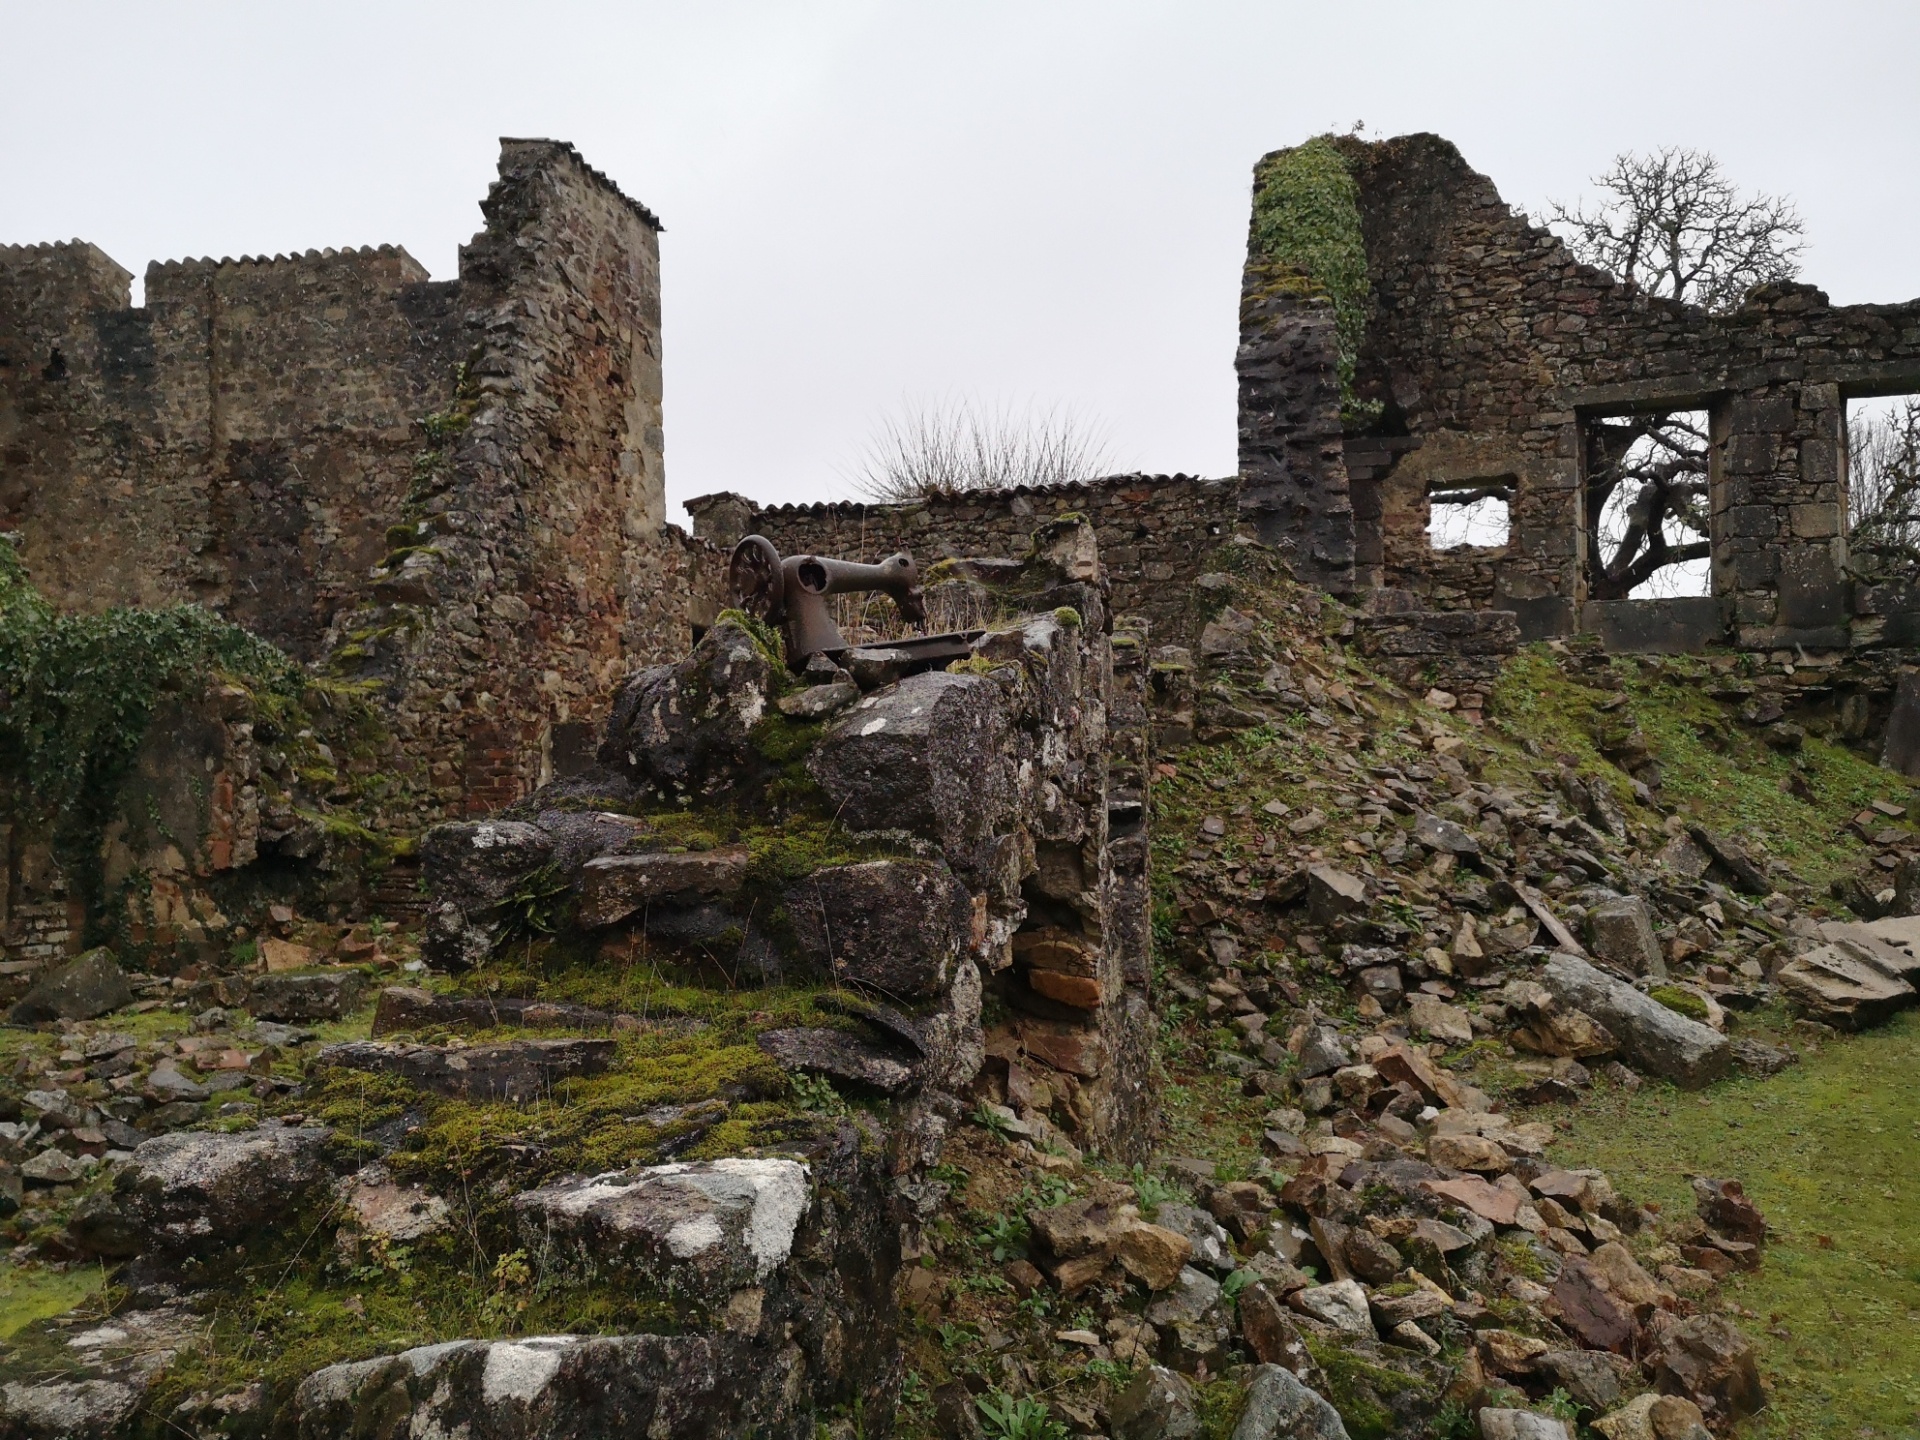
[(1465, 514), (1883, 488), (1647, 507)]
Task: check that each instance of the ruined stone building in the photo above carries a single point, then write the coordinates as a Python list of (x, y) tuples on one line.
[(1481, 355), (455, 487), (451, 493)]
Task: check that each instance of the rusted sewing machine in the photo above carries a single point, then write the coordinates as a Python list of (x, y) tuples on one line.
[(792, 593)]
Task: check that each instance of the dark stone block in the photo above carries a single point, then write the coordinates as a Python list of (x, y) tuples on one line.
[(1541, 619), (1681, 626), (1812, 592)]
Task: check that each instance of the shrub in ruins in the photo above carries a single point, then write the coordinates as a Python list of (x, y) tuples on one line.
[(954, 447)]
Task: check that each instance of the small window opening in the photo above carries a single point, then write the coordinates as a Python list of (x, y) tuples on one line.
[(1883, 488), (1647, 535), (1464, 514)]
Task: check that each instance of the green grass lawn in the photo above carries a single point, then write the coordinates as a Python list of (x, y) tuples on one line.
[(1830, 1151)]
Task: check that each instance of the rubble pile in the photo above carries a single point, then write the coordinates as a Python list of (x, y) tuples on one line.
[(831, 1049)]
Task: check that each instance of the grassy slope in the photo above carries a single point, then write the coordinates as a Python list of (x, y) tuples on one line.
[(1827, 1151)]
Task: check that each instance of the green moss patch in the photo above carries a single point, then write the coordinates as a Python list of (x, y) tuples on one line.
[(1306, 235)]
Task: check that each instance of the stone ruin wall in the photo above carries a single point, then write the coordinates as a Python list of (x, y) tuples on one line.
[(1157, 533), (1489, 348), (452, 490)]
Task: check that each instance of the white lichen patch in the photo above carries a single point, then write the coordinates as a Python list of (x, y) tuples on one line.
[(519, 1370)]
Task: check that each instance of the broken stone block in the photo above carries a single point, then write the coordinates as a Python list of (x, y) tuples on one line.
[(516, 1071), (612, 887), (1891, 945), (839, 1056), (1322, 1052), (202, 1190), (105, 1373), (818, 701), (929, 756), (1191, 1316), (1588, 1309), (1747, 876), (1158, 1405), (84, 988), (406, 1007), (469, 868), (1343, 1305), (1444, 836), (1654, 1417), (1724, 1205), (1594, 1379), (1840, 990), (1270, 1332), (705, 1229), (288, 998), (377, 1204), (1153, 1254), (1522, 1425), (1332, 892), (560, 1387), (1711, 1363), (1621, 932), (1279, 1407), (686, 730), (1431, 1016), (1212, 1247), (893, 926), (1650, 1035)]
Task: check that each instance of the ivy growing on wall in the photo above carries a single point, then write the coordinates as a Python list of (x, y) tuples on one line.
[(1306, 228), (77, 691)]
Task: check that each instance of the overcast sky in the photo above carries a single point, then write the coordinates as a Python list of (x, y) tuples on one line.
[(872, 204)]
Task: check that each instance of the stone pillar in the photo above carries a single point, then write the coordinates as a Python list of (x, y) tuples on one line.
[(1293, 474), (1778, 516)]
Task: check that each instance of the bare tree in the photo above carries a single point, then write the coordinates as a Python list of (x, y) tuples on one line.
[(1670, 224), (958, 446), (1883, 492)]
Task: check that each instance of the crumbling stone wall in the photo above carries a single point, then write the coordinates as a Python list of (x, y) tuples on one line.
[(1487, 350), (1155, 532), (454, 489)]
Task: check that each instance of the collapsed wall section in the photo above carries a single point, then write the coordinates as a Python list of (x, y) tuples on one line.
[(1155, 532)]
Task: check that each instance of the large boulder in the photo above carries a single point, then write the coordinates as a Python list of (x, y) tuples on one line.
[(685, 731), (82, 989), (1649, 1034), (892, 926), (1843, 989), (470, 869), (200, 1190), (613, 887), (702, 1230), (928, 756)]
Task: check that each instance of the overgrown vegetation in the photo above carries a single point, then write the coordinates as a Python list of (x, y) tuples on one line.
[(1306, 230), (79, 690)]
